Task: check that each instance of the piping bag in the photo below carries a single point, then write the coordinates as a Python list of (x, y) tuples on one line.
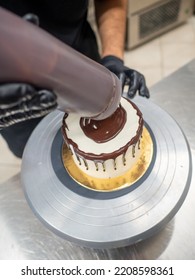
[(31, 55)]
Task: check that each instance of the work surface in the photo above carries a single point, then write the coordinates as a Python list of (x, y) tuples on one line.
[(22, 235)]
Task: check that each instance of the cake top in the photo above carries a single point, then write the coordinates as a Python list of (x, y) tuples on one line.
[(104, 130), (104, 139)]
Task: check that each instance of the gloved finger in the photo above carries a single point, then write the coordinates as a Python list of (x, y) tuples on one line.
[(42, 100), (11, 93), (122, 78), (133, 84), (143, 90), (32, 18)]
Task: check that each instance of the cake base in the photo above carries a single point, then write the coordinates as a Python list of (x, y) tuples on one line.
[(119, 182)]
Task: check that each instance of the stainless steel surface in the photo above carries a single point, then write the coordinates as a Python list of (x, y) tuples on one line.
[(157, 16), (22, 236), (114, 219)]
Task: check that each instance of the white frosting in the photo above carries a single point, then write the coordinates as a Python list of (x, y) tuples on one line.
[(110, 168)]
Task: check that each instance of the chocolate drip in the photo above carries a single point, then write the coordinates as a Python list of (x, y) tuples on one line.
[(104, 130), (102, 157), (133, 150), (124, 158)]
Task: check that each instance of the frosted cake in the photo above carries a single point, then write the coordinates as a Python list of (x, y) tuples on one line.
[(107, 148)]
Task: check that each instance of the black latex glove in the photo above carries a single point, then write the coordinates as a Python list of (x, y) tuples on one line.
[(130, 77), (20, 102)]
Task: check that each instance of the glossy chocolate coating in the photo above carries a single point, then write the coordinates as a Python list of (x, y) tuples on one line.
[(104, 156), (104, 130)]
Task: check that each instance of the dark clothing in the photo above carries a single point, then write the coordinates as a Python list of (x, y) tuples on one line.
[(18, 134), (64, 19)]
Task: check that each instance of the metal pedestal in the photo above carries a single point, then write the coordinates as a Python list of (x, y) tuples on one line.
[(114, 219)]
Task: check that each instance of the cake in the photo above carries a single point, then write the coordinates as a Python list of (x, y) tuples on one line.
[(106, 148)]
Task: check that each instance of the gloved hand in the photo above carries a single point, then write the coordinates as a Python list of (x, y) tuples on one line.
[(132, 78), (20, 102)]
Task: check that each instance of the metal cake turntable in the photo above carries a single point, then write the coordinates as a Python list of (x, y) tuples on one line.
[(108, 219)]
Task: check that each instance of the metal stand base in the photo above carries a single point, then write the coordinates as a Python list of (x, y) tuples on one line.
[(114, 219)]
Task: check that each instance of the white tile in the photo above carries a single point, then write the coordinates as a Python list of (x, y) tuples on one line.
[(6, 172), (6, 156), (181, 34), (192, 21), (147, 55), (176, 55)]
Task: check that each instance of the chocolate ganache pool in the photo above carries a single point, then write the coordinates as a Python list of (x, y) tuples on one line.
[(106, 148), (107, 129)]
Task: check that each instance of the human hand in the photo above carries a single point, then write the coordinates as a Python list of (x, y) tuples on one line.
[(129, 77), (20, 102)]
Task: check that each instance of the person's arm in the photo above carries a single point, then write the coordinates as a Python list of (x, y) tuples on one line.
[(111, 22)]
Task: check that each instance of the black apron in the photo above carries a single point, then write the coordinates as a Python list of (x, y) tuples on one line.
[(64, 19)]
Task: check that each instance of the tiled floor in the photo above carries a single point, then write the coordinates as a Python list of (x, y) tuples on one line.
[(161, 56), (155, 59)]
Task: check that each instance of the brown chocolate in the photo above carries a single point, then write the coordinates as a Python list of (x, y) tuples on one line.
[(105, 156), (104, 130)]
